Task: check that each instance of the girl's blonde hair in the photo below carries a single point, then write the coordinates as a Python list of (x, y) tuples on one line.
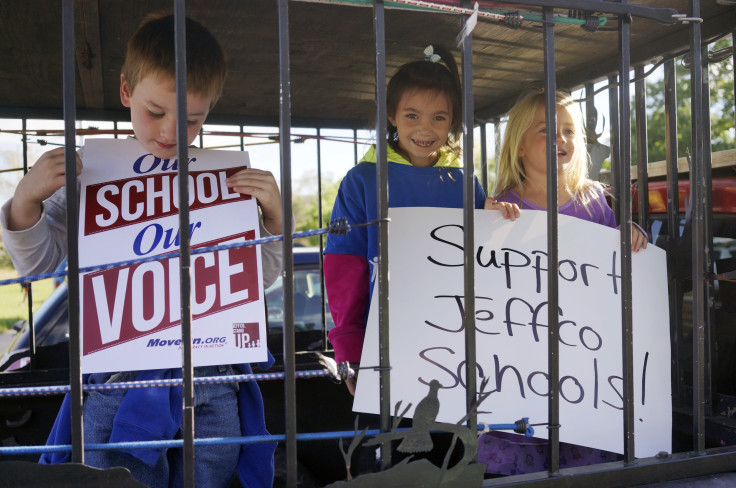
[(521, 117)]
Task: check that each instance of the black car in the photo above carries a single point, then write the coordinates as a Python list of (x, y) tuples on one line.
[(322, 404)]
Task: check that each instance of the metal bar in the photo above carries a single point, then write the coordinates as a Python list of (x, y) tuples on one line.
[(288, 245), (661, 15), (553, 344), (469, 226), (590, 114), (320, 217), (355, 147), (710, 374), (642, 148), (615, 143), (182, 142), (627, 337), (379, 27), (497, 142), (31, 328), (673, 234), (591, 121), (697, 192), (72, 230), (654, 471), (484, 157)]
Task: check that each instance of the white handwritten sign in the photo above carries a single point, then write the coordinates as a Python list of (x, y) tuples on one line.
[(427, 334), (131, 315)]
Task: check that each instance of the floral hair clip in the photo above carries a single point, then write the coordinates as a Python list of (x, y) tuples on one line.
[(429, 55)]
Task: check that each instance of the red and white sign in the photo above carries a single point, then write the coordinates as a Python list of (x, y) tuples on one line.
[(131, 315)]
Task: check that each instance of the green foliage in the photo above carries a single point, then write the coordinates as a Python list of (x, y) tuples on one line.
[(305, 206), (720, 79), (13, 299), (5, 262)]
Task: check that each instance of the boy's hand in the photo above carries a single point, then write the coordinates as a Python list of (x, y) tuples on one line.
[(41, 181), (261, 185), (509, 211), (638, 239)]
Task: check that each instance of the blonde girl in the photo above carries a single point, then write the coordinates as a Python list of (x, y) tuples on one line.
[(522, 166)]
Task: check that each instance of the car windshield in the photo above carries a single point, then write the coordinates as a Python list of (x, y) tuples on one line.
[(307, 302)]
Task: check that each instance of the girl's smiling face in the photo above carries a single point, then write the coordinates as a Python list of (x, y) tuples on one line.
[(422, 120), (533, 149)]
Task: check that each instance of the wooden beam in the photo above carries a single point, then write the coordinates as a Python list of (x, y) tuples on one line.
[(720, 159), (89, 52)]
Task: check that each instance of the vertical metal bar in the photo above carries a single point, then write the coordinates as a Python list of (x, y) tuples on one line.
[(710, 372), (72, 229), (591, 121), (613, 105), (242, 139), (115, 129), (355, 147), (497, 143), (484, 157), (320, 224), (591, 118), (469, 226), (379, 27), (624, 152), (288, 244), (733, 63), (553, 344), (29, 288), (31, 331), (642, 149), (24, 140), (673, 230), (697, 192), (182, 142)]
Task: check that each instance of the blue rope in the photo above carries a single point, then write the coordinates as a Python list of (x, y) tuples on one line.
[(51, 390), (177, 443), (338, 226)]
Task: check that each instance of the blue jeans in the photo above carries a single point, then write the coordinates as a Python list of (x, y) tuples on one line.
[(215, 415)]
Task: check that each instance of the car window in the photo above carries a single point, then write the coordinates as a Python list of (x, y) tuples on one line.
[(307, 302)]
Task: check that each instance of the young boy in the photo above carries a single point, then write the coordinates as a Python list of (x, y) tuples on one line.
[(34, 230)]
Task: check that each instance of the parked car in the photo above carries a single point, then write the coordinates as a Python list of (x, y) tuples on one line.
[(322, 404), (721, 360)]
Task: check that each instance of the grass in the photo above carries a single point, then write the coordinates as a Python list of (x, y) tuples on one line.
[(13, 300)]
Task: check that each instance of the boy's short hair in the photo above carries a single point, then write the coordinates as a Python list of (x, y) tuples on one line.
[(151, 51)]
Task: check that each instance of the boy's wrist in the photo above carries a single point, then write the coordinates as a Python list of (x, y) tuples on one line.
[(274, 226)]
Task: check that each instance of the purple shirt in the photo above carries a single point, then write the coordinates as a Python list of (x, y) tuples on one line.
[(597, 210)]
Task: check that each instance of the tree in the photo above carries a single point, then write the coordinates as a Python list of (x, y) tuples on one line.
[(305, 205), (720, 79)]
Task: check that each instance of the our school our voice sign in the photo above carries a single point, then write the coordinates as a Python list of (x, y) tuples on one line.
[(427, 333), (131, 315)]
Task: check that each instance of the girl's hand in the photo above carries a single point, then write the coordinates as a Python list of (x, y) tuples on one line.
[(351, 383), (638, 239), (261, 185), (509, 211)]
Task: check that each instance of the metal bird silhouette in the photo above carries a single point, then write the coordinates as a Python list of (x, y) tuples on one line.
[(417, 438)]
